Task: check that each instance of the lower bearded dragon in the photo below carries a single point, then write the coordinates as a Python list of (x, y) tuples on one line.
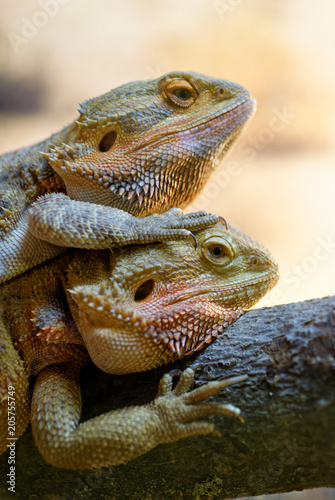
[(129, 310)]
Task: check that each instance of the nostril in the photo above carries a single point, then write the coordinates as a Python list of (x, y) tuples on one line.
[(220, 92), (144, 290), (224, 93), (254, 261)]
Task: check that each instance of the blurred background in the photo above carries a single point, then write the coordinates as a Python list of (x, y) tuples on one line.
[(278, 184)]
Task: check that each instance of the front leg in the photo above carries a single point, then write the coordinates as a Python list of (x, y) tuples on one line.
[(118, 436), (20, 250), (59, 220)]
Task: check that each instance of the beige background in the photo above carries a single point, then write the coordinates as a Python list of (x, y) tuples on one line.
[(282, 190), (278, 185)]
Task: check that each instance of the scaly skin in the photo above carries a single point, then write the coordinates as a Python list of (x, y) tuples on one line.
[(130, 310), (142, 148)]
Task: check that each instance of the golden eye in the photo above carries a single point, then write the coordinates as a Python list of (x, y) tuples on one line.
[(183, 94), (217, 251), (180, 92)]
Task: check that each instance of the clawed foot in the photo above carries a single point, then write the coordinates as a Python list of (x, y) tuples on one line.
[(174, 225), (177, 407)]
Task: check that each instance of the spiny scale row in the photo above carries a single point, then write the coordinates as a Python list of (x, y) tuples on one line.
[(104, 305), (184, 340)]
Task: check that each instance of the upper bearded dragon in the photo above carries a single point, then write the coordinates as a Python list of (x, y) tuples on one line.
[(137, 150)]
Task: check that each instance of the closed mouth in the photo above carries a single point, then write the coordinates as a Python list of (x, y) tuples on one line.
[(184, 297), (217, 118)]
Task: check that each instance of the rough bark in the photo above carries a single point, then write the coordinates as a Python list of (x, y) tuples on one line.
[(288, 401)]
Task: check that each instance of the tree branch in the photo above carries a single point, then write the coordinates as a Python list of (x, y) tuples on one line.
[(288, 403)]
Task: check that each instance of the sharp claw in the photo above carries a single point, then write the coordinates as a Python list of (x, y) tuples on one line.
[(175, 372), (223, 222), (194, 240), (234, 380), (196, 366)]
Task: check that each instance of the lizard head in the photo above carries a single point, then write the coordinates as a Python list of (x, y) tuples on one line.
[(143, 306), (148, 146)]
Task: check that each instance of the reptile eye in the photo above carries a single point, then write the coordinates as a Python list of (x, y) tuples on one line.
[(217, 251), (180, 92), (183, 94), (144, 290), (107, 141)]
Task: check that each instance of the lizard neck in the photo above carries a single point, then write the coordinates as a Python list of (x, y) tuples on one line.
[(32, 170)]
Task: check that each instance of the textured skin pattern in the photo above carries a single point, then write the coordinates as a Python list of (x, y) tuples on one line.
[(142, 148), (92, 224), (130, 309)]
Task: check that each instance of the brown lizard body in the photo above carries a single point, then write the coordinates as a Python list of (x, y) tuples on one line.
[(138, 150), (130, 310)]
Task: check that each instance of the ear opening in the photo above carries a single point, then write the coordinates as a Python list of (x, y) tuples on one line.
[(107, 141), (144, 290)]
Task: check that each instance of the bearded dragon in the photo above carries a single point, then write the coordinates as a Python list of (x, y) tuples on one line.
[(137, 150), (129, 310)]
